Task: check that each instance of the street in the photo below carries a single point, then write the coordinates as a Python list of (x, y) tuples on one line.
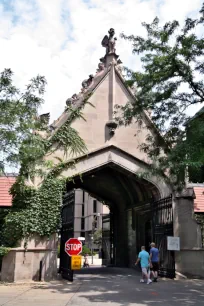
[(104, 286)]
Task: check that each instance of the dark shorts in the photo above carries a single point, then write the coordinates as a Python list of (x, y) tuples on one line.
[(155, 266)]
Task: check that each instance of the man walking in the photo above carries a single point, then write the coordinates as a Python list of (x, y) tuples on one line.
[(144, 259), (154, 258)]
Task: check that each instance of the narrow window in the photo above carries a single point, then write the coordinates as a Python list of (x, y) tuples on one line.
[(94, 206), (82, 223)]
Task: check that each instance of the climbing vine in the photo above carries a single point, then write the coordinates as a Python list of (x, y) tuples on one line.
[(37, 210)]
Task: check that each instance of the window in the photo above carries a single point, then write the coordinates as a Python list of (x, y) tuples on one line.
[(82, 210), (82, 234), (94, 206), (83, 197), (82, 223)]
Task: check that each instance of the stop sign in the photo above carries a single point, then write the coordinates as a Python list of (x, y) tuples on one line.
[(73, 247)]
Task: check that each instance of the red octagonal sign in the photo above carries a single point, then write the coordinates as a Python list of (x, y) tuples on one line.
[(73, 247)]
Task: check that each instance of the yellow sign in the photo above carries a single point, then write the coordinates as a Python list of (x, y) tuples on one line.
[(76, 262)]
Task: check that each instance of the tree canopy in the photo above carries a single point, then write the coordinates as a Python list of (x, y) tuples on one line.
[(22, 128), (170, 82), (18, 115)]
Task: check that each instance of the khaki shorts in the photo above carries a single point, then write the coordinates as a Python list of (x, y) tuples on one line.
[(145, 270)]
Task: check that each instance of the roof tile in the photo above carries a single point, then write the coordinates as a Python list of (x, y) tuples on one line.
[(199, 201), (5, 185)]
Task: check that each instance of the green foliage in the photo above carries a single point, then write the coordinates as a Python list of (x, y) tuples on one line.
[(97, 238), (18, 115), (4, 251), (85, 250), (37, 210), (68, 138), (170, 82), (34, 210)]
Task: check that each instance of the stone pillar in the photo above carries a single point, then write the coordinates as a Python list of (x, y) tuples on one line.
[(37, 262), (190, 259), (185, 225)]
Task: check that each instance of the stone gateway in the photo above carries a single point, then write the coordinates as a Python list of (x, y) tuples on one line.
[(142, 210)]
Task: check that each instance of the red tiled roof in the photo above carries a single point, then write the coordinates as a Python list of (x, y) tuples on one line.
[(199, 201), (5, 185)]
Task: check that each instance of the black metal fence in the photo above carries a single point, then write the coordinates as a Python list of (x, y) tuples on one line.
[(162, 226), (67, 231)]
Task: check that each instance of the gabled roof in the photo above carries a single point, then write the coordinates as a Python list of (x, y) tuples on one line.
[(5, 184), (95, 82)]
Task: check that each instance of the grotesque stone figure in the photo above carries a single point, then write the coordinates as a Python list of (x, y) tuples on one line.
[(72, 99), (86, 83), (101, 67), (109, 42)]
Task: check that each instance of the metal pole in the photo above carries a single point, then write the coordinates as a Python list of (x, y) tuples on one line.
[(92, 250), (92, 233)]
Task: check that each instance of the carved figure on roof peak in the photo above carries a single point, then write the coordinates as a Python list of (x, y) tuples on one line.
[(109, 42)]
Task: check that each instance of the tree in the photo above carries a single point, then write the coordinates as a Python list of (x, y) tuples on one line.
[(18, 116), (26, 139), (171, 81), (97, 238)]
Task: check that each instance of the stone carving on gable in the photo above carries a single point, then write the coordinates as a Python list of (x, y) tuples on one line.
[(72, 99), (86, 83), (109, 42), (101, 67)]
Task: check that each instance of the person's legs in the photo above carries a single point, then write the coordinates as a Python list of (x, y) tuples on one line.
[(155, 269), (152, 272), (146, 274)]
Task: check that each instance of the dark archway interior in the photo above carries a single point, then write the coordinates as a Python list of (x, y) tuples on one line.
[(122, 191)]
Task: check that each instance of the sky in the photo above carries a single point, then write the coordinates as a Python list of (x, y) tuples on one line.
[(61, 39)]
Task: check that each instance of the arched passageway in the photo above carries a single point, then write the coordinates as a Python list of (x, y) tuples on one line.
[(125, 194)]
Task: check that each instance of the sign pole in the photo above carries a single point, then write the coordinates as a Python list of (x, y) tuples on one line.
[(73, 247)]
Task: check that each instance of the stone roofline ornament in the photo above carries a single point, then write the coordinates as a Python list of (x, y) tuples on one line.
[(109, 42), (110, 58)]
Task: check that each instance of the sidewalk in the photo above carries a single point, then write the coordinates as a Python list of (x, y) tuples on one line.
[(104, 287)]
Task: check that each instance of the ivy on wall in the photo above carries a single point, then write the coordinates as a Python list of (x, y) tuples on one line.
[(38, 210)]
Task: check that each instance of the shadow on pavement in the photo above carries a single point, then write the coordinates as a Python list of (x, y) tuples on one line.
[(121, 286)]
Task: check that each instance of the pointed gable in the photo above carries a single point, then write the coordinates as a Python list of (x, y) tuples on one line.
[(104, 91)]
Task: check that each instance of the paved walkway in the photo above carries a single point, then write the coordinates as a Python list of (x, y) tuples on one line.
[(104, 287)]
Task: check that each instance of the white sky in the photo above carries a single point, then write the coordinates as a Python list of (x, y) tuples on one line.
[(61, 39)]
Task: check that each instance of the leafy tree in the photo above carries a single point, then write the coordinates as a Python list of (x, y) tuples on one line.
[(25, 139), (18, 116), (171, 80), (97, 238)]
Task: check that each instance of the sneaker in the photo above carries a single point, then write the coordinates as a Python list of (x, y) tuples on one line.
[(142, 281), (149, 281)]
